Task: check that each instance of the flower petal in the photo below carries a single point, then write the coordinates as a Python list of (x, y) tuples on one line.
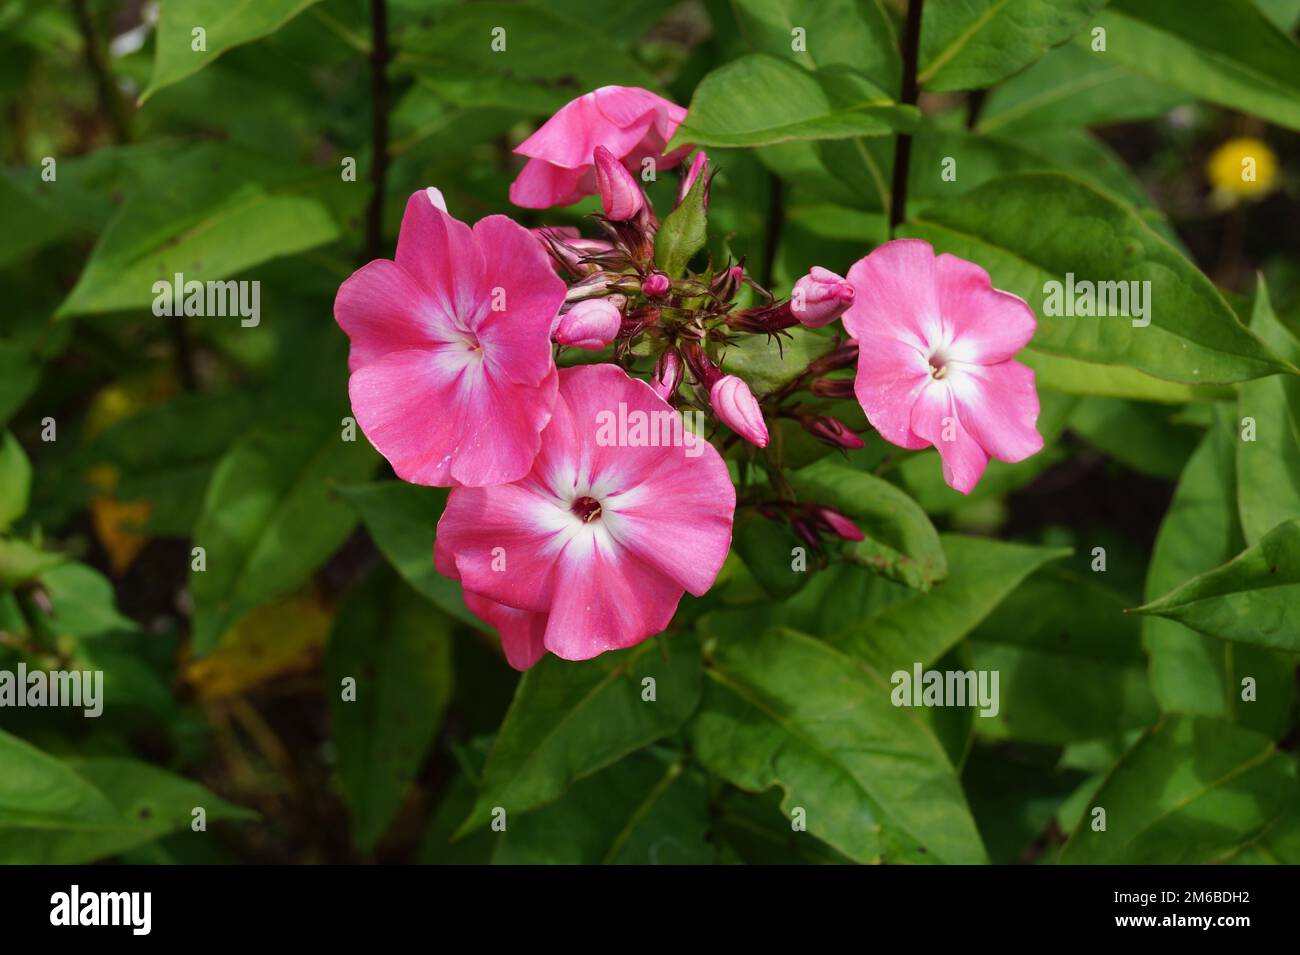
[(439, 252), (505, 541), (410, 405), (935, 418), (891, 375), (521, 631), (998, 405), (894, 295), (988, 325), (541, 184), (382, 309), (501, 433), (608, 600)]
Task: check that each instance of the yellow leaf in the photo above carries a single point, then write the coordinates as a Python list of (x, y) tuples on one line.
[(284, 636)]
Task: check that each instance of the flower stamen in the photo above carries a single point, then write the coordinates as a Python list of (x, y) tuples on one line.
[(587, 509)]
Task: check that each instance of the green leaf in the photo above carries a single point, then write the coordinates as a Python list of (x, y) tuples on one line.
[(901, 542), (396, 648), (540, 44), (1268, 467), (165, 453), (1191, 672), (1034, 228), (971, 44), (32, 220), (1252, 599), (15, 480), (569, 720), (1068, 376), (1071, 663), (226, 24), (218, 211), (1014, 793), (684, 232), (766, 548), (62, 813), (753, 829), (924, 626), (403, 518), (1279, 844), (1189, 791), (1229, 53), (270, 517), (766, 367), (1140, 436), (21, 562), (853, 33), (1073, 86), (82, 602), (784, 709), (759, 100), (646, 809)]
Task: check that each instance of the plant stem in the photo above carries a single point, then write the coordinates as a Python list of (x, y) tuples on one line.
[(775, 224), (974, 106), (110, 99), (115, 109), (908, 95), (379, 56)]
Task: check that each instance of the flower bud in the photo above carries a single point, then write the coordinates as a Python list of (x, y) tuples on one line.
[(820, 297), (838, 524), (620, 195), (737, 408), (656, 285), (591, 324), (829, 431), (726, 284), (833, 388), (668, 375), (699, 167), (845, 356)]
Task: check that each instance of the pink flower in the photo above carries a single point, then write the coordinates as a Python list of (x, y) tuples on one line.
[(590, 325), (631, 123), (820, 297), (620, 195), (453, 378), (935, 365), (593, 549), (737, 408)]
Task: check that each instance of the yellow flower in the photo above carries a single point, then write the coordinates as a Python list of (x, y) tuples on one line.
[(1243, 168)]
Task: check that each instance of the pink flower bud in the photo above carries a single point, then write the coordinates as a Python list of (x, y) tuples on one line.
[(820, 297), (737, 408), (699, 167), (668, 375), (591, 324), (838, 524), (656, 285), (829, 431), (620, 195)]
